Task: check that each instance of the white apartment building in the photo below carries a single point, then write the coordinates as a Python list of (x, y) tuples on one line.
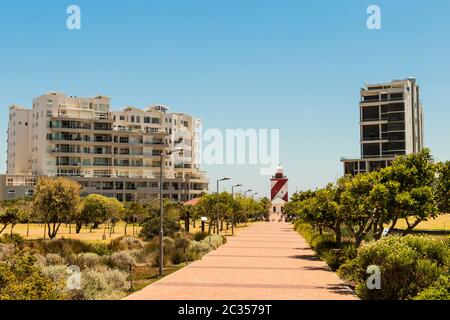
[(116, 154), (391, 124)]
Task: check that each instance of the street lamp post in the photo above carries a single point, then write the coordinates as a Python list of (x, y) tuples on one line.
[(161, 208), (217, 204), (245, 192), (232, 217)]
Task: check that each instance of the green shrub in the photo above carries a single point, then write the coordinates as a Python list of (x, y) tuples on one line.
[(199, 236), (440, 290), (63, 247), (102, 285), (325, 246), (120, 260), (21, 279), (84, 260), (126, 243), (13, 239), (53, 259), (408, 265), (99, 248), (151, 227), (197, 249), (6, 250)]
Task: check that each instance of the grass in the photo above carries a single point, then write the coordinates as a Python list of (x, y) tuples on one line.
[(442, 222), (146, 275), (86, 234), (36, 231)]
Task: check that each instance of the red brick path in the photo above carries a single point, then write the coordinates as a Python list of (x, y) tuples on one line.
[(264, 261)]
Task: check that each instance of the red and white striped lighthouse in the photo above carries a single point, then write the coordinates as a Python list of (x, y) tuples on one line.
[(279, 186)]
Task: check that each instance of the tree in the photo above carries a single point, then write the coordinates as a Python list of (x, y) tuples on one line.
[(134, 212), (114, 211), (355, 207), (417, 188), (9, 216), (56, 200), (94, 210), (443, 187), (151, 227)]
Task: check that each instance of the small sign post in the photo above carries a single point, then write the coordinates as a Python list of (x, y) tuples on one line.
[(204, 219)]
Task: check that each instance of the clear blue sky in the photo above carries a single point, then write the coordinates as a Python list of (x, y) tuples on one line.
[(294, 65)]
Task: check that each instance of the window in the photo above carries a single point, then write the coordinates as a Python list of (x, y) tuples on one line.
[(146, 119), (122, 118), (11, 192), (396, 96), (370, 113), (132, 119), (396, 116), (371, 149), (371, 132), (274, 209), (29, 192)]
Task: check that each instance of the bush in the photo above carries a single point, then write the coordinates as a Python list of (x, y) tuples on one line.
[(126, 243), (199, 236), (151, 227), (6, 250), (84, 260), (99, 248), (102, 285), (63, 247), (53, 259), (21, 279), (13, 239), (197, 249), (325, 246), (121, 260), (440, 290), (408, 265)]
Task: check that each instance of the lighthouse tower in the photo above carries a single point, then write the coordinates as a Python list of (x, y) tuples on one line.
[(278, 193), (279, 186)]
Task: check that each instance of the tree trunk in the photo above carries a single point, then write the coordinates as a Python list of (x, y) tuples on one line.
[(78, 227), (126, 224), (338, 236), (186, 223), (28, 229), (4, 227)]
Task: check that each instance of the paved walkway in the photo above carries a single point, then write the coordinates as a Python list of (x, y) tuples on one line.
[(267, 260)]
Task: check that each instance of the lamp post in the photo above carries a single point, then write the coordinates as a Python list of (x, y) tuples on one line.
[(245, 192), (232, 217), (235, 186), (217, 204), (161, 208), (254, 194)]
